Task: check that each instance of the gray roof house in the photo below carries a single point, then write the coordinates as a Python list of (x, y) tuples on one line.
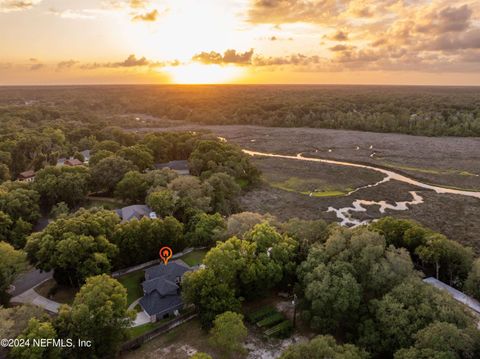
[(161, 289), (137, 211), (181, 167)]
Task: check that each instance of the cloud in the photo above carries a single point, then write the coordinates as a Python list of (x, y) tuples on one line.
[(130, 62), (340, 48), (82, 14), (36, 67), (62, 65), (138, 4), (149, 16), (287, 11), (17, 5), (337, 36), (230, 56)]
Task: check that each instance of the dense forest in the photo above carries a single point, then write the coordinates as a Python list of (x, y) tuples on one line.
[(431, 111)]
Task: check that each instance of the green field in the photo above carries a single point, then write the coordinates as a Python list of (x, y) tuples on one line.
[(132, 282)]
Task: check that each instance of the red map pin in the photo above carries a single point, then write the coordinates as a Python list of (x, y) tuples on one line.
[(165, 254)]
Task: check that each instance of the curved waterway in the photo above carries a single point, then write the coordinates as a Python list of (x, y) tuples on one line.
[(389, 175)]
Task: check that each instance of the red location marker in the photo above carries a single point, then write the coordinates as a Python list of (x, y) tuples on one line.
[(165, 254)]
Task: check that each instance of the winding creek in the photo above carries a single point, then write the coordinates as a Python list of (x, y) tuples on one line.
[(344, 214)]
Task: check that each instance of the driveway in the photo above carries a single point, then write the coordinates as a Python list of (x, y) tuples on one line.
[(29, 280), (32, 297)]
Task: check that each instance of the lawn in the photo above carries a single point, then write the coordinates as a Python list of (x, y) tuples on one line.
[(131, 282), (195, 257), (58, 293), (141, 329)]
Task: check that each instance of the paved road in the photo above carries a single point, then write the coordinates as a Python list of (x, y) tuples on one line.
[(29, 280)]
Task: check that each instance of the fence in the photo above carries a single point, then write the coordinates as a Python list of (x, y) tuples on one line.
[(137, 342)]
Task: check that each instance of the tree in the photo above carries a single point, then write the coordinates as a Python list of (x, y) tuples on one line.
[(62, 184), (160, 178), (224, 193), (75, 247), (59, 209), (228, 332), (12, 263), (99, 313), (37, 330), (98, 156), (450, 259), (255, 264), (106, 145), (392, 229), (323, 347), (306, 233), (205, 229), (210, 295), (109, 171), (4, 173), (139, 241), (162, 202), (200, 356), (14, 320), (20, 202), (472, 284), (412, 306), (211, 157), (139, 155), (192, 196), (340, 276), (132, 188), (240, 223), (443, 340)]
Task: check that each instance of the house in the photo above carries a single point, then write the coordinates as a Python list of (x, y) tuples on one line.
[(73, 162), (181, 167), (61, 161), (161, 290), (470, 302), (86, 156), (137, 211), (27, 176)]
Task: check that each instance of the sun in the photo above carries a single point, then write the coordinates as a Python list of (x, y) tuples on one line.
[(203, 74)]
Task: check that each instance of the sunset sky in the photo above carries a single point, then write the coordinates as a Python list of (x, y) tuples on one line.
[(240, 41)]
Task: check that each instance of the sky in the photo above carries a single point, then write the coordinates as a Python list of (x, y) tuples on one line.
[(407, 42)]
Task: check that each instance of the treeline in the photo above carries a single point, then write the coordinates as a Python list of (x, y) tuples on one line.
[(359, 286), (431, 111)]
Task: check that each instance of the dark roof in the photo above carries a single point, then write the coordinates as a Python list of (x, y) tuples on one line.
[(154, 303), (137, 211), (27, 174), (161, 289), (173, 165), (170, 271), (161, 285)]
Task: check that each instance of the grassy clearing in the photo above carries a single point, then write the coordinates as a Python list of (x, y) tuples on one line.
[(132, 282), (194, 258), (58, 293), (310, 187)]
